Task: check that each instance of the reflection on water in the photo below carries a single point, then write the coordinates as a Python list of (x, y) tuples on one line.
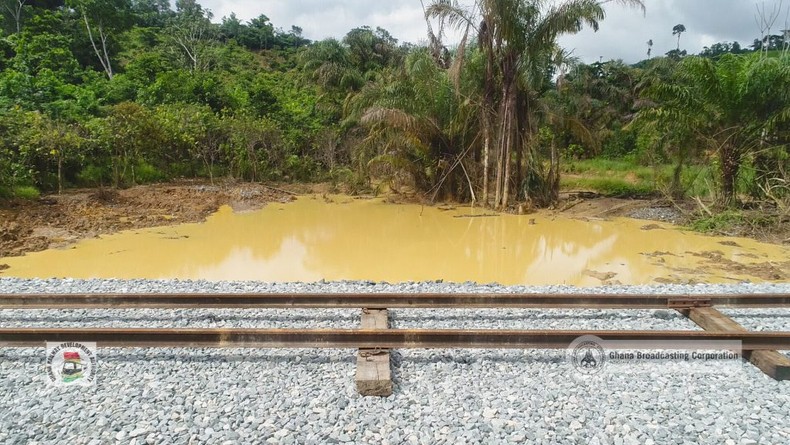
[(311, 239)]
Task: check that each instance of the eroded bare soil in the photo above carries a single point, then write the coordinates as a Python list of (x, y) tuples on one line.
[(59, 220)]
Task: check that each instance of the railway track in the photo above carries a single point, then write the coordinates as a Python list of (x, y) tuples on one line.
[(375, 339), (384, 338), (391, 301)]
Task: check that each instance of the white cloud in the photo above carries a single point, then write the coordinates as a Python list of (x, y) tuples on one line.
[(623, 34)]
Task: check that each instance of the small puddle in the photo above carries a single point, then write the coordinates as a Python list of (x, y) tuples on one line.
[(359, 239)]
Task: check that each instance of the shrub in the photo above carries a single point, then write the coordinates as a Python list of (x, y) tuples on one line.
[(94, 176), (146, 173), (300, 168), (26, 192)]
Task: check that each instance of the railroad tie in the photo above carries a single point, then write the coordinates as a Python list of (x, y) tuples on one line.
[(772, 363), (374, 376)]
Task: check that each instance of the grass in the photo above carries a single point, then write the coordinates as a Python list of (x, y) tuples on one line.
[(26, 192), (608, 186), (718, 222), (20, 191), (737, 222), (625, 178)]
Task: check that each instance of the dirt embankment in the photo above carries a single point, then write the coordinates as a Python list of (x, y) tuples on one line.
[(59, 220)]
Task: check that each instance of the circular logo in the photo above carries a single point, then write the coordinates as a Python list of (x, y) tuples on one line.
[(71, 363), (587, 355)]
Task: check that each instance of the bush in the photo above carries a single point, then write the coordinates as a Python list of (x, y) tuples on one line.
[(574, 151), (181, 169), (300, 168), (94, 176), (26, 192), (730, 221), (621, 143), (352, 182), (146, 173)]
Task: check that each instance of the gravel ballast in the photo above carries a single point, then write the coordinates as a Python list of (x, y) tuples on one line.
[(440, 396)]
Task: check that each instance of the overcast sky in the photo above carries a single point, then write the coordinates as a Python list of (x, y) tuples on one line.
[(623, 35)]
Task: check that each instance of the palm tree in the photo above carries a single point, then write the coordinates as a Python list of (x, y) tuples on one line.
[(730, 107), (329, 64), (515, 38), (417, 127)]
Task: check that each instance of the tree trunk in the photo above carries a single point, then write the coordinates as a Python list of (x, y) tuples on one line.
[(676, 189), (115, 172), (506, 149), (499, 153), (523, 156), (105, 53), (554, 174), (486, 150), (252, 159), (16, 13), (488, 115), (125, 162), (208, 167), (60, 173), (730, 164), (519, 163), (103, 59)]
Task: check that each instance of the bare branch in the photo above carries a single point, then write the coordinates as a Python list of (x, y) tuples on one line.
[(16, 13), (105, 61)]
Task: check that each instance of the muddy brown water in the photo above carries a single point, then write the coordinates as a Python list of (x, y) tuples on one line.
[(342, 238)]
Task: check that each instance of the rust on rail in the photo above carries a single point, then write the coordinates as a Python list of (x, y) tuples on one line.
[(385, 300), (389, 338), (689, 302)]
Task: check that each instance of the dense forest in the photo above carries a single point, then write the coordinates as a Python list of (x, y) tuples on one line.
[(123, 92)]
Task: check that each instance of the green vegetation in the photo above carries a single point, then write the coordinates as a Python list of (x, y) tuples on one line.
[(25, 192), (718, 222), (20, 191), (123, 92), (740, 222), (625, 177), (615, 187)]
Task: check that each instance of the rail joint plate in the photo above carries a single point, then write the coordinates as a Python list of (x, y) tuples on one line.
[(688, 303)]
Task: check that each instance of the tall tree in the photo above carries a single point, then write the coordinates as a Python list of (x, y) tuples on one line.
[(417, 126), (678, 30), (516, 38), (370, 50), (14, 9), (260, 34), (732, 107), (193, 33), (329, 64), (102, 18), (152, 13)]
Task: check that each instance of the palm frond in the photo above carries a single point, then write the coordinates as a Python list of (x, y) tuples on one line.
[(567, 18), (458, 62), (639, 4), (390, 117), (454, 14)]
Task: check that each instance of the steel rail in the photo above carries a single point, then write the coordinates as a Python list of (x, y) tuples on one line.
[(391, 301), (392, 338)]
